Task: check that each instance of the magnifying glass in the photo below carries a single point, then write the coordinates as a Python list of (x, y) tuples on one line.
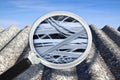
[(58, 40)]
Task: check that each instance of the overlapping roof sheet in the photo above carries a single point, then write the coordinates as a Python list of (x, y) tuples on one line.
[(102, 63)]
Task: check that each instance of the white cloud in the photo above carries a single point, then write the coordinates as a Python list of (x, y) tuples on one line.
[(6, 23), (27, 4), (37, 5)]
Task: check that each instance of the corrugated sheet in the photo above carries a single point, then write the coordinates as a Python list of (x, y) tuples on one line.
[(102, 63), (1, 29), (119, 29)]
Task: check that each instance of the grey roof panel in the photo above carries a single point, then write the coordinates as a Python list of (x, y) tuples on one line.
[(113, 34), (8, 35), (94, 67), (13, 49), (64, 74), (102, 62), (119, 29), (34, 72), (108, 50), (1, 29)]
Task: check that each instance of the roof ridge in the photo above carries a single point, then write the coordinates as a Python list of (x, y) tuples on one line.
[(95, 69), (69, 74), (108, 49), (14, 49), (7, 35), (106, 39), (13, 26), (101, 63), (113, 34), (1, 29), (118, 28)]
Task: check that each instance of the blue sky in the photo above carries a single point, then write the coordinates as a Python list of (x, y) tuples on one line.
[(25, 12)]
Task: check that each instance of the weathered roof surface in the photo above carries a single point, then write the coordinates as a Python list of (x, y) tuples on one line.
[(119, 29), (102, 63), (1, 29)]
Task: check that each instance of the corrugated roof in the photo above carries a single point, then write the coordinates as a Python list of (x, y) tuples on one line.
[(119, 29), (102, 63), (1, 29)]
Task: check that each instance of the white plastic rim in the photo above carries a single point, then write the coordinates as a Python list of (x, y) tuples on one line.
[(66, 65)]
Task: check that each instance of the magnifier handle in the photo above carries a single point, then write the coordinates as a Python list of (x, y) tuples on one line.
[(16, 69)]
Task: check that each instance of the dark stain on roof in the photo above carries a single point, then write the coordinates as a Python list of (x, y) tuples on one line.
[(119, 29)]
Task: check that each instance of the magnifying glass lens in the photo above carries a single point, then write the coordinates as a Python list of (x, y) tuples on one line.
[(60, 39)]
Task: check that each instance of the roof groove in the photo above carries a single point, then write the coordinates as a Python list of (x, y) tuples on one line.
[(1, 29), (113, 34), (118, 29), (37, 70), (54, 74), (47, 73), (64, 74), (24, 54), (102, 63), (108, 49), (92, 67), (12, 51), (8, 35)]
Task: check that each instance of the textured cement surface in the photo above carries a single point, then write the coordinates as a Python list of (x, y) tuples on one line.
[(102, 63)]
